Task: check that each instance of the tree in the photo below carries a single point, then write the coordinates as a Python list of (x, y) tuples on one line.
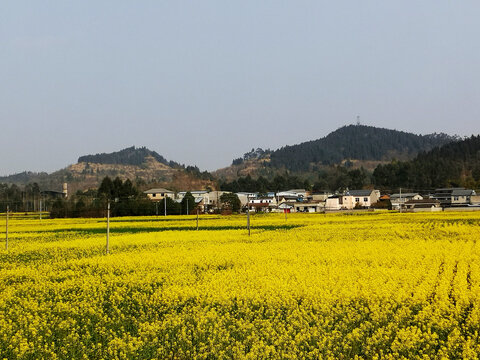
[(59, 209), (80, 207), (358, 178), (188, 203), (105, 190), (117, 187), (128, 190), (231, 200), (173, 208)]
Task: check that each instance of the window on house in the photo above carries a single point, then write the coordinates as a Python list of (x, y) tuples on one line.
[(357, 200), (455, 198), (154, 195), (365, 199)]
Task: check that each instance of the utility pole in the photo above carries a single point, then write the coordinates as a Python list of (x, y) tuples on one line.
[(187, 213), (40, 206), (197, 218), (108, 227), (165, 203), (6, 230), (401, 205), (248, 215)]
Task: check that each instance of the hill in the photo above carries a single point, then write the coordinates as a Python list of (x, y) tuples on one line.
[(451, 165), (355, 142), (354, 146), (128, 156), (142, 165)]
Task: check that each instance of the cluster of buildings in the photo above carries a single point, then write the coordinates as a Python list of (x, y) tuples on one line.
[(441, 198), (300, 200), (206, 201)]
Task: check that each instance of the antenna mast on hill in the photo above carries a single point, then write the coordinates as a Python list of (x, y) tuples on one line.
[(358, 120)]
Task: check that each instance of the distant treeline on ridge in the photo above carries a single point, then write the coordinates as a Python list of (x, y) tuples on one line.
[(128, 156)]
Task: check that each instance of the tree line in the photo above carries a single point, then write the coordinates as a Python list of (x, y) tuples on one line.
[(20, 199), (125, 200), (128, 156), (329, 179), (456, 164)]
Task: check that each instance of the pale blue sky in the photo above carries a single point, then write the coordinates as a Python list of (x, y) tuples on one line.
[(203, 82)]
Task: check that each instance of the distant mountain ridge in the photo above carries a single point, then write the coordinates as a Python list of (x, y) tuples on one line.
[(350, 145), (359, 142), (353, 146), (137, 164), (128, 156)]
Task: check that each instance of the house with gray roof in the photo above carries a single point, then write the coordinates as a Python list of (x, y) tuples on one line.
[(398, 200), (424, 204), (454, 196)]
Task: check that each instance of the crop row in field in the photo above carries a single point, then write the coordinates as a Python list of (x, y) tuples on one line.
[(314, 286)]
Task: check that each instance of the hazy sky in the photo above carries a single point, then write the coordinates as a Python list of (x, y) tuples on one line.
[(202, 82)]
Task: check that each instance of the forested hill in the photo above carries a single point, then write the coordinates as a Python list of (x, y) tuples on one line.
[(128, 156), (454, 164), (357, 142), (140, 165)]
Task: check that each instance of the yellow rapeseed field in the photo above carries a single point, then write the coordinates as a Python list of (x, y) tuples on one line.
[(371, 286)]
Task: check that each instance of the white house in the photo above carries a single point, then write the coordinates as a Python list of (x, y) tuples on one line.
[(319, 196), (246, 197), (212, 199), (332, 203), (200, 196), (195, 193), (358, 198), (263, 204), (309, 206), (293, 193)]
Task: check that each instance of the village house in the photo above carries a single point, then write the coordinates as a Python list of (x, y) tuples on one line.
[(285, 207), (293, 194), (333, 203), (398, 200), (212, 199), (422, 204), (245, 197), (359, 198), (475, 200), (200, 196), (309, 206), (266, 204), (454, 196), (318, 196), (159, 194), (195, 193)]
